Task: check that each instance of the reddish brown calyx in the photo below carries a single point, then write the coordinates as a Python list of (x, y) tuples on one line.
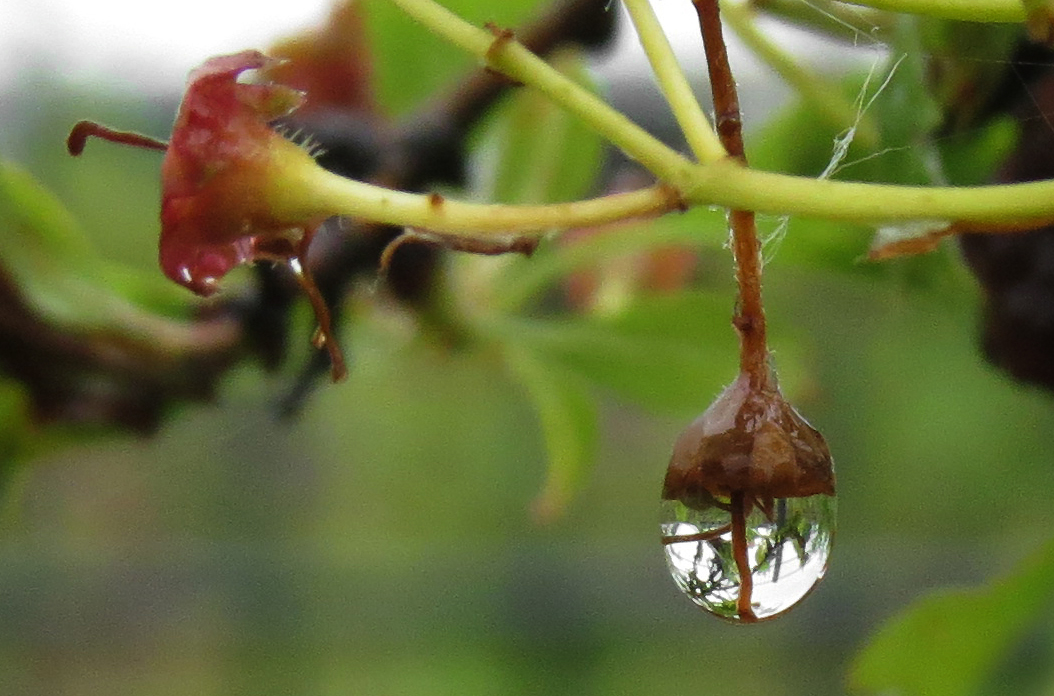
[(749, 442)]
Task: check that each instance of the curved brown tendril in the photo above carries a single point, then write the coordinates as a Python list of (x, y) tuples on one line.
[(323, 336), (82, 130)]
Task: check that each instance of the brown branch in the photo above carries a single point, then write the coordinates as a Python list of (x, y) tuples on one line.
[(98, 378), (749, 319)]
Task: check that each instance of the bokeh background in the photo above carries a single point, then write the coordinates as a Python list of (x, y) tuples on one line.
[(382, 542)]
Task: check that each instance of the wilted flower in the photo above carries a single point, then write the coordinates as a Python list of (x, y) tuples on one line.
[(219, 159), (224, 182)]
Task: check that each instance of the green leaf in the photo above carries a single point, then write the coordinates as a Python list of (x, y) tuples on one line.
[(971, 157), (669, 354), (948, 643), (568, 417), (19, 437), (533, 151), (57, 270), (527, 278)]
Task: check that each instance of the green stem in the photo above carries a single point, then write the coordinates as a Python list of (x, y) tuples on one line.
[(731, 185), (1008, 11), (725, 182), (674, 85), (303, 190)]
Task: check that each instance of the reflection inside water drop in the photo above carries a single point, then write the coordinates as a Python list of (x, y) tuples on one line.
[(787, 542)]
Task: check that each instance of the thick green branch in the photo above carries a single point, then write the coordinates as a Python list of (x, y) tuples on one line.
[(1009, 11), (728, 184), (306, 191), (313, 192)]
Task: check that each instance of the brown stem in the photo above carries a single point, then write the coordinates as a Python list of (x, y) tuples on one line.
[(512, 244), (750, 313), (739, 552), (698, 536), (324, 336), (82, 130)]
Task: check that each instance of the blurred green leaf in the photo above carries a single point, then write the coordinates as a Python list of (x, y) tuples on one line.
[(797, 141), (907, 117), (666, 353), (59, 273), (567, 414), (948, 643), (536, 152), (967, 64), (18, 437), (970, 158), (527, 278), (411, 63)]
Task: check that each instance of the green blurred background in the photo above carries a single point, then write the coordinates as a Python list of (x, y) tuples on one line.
[(382, 543)]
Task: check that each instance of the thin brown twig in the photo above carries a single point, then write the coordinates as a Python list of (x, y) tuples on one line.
[(709, 535), (525, 244), (82, 130), (749, 319)]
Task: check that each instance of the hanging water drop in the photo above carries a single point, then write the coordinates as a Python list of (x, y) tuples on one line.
[(748, 505)]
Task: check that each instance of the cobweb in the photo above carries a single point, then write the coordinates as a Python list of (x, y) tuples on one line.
[(882, 67), (882, 71)]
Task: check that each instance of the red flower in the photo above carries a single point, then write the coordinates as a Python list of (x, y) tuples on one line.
[(223, 182), (221, 153)]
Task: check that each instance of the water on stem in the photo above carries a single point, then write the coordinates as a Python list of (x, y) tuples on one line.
[(748, 506)]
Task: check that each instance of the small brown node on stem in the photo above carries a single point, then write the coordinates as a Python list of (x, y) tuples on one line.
[(744, 324), (502, 36), (435, 201), (674, 196), (1040, 25)]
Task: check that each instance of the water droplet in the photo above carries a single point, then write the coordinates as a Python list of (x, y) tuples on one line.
[(748, 505), (786, 544)]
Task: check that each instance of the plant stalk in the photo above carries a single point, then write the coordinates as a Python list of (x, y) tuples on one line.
[(749, 319)]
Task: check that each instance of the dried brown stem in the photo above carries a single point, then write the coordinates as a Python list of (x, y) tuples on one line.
[(324, 336), (750, 313), (525, 244), (83, 130)]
